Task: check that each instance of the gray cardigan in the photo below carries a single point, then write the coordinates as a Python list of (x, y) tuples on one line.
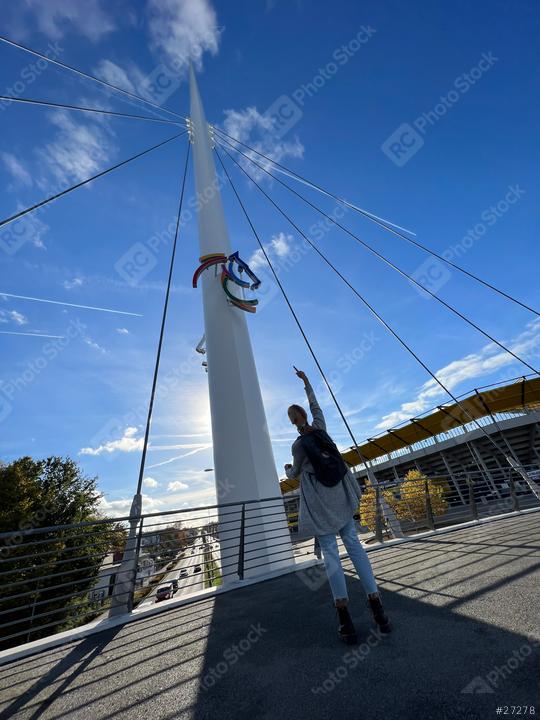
[(323, 510)]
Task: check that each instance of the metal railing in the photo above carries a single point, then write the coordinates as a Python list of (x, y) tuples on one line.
[(429, 503), (56, 578)]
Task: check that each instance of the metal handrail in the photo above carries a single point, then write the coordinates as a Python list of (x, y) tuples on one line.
[(256, 533)]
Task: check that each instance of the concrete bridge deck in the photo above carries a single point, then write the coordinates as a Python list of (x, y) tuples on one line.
[(465, 605)]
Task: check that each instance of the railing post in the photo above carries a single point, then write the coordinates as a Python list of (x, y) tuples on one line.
[(136, 565), (241, 543), (122, 597), (515, 499), (378, 515), (429, 509), (472, 500)]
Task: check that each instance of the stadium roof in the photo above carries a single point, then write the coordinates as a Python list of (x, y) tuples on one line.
[(515, 396)]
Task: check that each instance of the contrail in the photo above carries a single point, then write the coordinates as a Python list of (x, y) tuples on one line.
[(11, 332), (178, 457), (59, 302)]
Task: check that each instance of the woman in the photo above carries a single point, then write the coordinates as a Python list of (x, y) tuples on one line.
[(327, 510)]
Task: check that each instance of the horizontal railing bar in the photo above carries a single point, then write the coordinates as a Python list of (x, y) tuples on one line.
[(56, 539), (384, 485), (37, 628), (127, 518), (52, 587), (59, 574), (44, 553), (235, 561), (55, 599), (55, 563), (51, 528), (56, 612)]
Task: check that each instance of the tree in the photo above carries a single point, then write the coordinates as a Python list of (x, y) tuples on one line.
[(366, 509), (40, 494), (411, 504), (408, 500)]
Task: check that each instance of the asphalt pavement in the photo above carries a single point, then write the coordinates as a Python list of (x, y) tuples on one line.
[(465, 645)]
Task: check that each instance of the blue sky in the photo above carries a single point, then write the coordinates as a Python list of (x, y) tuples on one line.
[(425, 114)]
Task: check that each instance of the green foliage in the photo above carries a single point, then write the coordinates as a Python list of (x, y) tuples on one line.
[(411, 501), (40, 494)]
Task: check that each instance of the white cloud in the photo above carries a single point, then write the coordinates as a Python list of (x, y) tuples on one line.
[(150, 482), (129, 77), (122, 331), (18, 317), (121, 507), (261, 133), (127, 443), (114, 74), (182, 30), (30, 228), (280, 246), (16, 169), (162, 503), (177, 485), (56, 18), (475, 365), (94, 345), (13, 316), (70, 284), (78, 150)]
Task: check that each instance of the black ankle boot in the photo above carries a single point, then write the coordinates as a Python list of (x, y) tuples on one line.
[(380, 617), (346, 630)]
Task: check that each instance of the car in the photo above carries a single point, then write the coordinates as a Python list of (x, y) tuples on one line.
[(196, 569), (174, 583), (183, 572), (164, 592)]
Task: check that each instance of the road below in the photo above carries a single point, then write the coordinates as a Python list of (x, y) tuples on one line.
[(192, 556)]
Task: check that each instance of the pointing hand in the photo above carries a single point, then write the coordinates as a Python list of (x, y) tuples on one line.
[(301, 374)]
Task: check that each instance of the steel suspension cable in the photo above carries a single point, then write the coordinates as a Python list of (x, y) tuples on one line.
[(162, 329), (298, 323), (27, 210), (394, 266), (370, 308), (384, 225), (88, 76), (64, 106), (309, 183)]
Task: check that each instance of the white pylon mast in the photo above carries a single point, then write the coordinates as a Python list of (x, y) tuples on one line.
[(243, 459)]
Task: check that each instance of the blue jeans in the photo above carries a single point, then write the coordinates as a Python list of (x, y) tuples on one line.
[(358, 556)]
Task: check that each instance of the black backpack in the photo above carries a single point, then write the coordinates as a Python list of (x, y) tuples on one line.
[(322, 453)]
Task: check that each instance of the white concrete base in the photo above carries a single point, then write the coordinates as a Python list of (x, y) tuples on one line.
[(70, 636)]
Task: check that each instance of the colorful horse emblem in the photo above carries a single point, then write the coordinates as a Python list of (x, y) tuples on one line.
[(228, 274)]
